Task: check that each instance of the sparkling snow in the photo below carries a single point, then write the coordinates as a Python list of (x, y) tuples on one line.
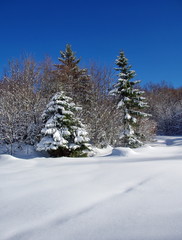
[(120, 194)]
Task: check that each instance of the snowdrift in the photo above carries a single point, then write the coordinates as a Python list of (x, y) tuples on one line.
[(120, 194)]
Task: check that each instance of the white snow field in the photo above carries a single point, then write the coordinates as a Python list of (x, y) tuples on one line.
[(119, 194)]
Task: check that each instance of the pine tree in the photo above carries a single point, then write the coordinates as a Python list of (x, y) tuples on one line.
[(130, 101), (63, 134), (75, 81)]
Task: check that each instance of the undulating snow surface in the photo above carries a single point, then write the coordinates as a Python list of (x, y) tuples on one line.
[(120, 194)]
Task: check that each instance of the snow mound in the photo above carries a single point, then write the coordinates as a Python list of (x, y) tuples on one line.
[(123, 152)]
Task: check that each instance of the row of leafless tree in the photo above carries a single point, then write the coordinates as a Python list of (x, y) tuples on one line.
[(166, 108), (26, 87)]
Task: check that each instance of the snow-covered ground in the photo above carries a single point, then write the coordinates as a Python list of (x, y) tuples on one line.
[(120, 194)]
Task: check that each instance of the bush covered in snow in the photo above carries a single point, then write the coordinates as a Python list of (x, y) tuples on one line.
[(63, 133)]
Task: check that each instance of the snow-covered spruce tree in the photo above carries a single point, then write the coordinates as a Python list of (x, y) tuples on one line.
[(130, 101), (63, 134)]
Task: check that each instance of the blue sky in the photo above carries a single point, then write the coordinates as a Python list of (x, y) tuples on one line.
[(149, 32)]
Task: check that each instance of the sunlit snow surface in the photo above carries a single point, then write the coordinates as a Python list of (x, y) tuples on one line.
[(120, 194)]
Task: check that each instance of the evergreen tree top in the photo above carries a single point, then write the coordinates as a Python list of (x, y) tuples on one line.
[(68, 56), (61, 104), (123, 67)]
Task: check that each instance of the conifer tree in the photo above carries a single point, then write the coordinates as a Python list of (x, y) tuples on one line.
[(130, 101), (63, 133), (75, 81)]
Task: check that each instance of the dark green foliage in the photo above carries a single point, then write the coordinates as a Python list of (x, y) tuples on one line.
[(130, 101)]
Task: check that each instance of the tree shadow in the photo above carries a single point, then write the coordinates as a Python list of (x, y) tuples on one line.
[(174, 142)]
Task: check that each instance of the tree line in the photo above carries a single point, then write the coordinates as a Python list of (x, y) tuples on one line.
[(111, 115)]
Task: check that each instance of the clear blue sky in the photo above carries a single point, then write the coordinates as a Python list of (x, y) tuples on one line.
[(149, 31)]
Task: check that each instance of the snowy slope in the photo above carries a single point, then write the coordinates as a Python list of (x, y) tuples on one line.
[(120, 194)]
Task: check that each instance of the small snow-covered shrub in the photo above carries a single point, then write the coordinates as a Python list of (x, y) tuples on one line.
[(63, 133)]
